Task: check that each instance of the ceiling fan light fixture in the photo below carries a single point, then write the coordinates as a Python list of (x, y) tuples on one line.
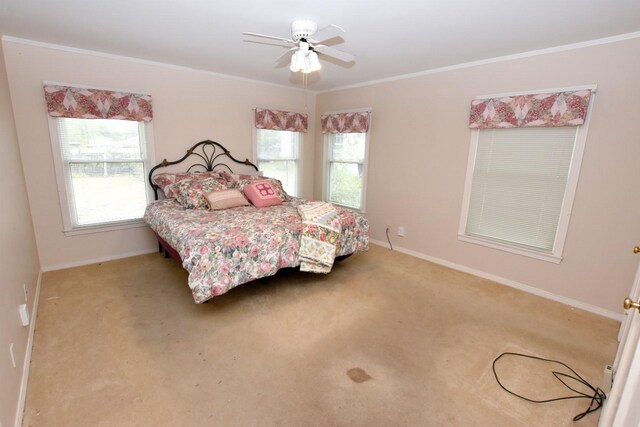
[(298, 62), (312, 63)]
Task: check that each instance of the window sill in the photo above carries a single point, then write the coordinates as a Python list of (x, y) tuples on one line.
[(101, 228), (544, 256), (351, 208)]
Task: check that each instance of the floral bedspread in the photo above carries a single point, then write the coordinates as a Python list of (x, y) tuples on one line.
[(225, 248)]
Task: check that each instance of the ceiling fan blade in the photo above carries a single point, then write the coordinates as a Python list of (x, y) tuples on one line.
[(269, 37), (266, 43), (288, 52), (334, 53), (326, 33)]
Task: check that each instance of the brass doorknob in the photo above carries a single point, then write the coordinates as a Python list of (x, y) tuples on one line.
[(628, 303), (636, 249)]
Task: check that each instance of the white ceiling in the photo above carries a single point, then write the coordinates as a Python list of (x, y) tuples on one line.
[(389, 38)]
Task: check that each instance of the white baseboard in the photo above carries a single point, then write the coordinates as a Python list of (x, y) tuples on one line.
[(508, 282), (27, 357), (97, 260)]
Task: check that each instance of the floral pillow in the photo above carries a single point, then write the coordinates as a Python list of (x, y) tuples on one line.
[(190, 193), (231, 176), (165, 180)]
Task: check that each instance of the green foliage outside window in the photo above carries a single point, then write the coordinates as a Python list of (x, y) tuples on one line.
[(347, 155), (346, 184)]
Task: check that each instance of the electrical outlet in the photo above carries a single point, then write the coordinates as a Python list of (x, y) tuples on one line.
[(402, 231), (26, 294)]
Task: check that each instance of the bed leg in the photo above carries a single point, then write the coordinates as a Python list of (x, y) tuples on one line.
[(160, 247), (166, 254)]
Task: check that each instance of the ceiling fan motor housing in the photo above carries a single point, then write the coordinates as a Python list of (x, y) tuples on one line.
[(303, 29)]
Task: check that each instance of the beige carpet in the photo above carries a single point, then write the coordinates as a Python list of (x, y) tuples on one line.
[(384, 340)]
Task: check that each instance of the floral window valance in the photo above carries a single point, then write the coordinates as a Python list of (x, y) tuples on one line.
[(74, 102), (280, 120), (345, 122), (545, 109)]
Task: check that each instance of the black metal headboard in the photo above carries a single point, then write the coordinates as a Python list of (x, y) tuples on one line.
[(212, 155)]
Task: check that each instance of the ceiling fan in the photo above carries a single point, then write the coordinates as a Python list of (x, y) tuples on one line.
[(306, 40)]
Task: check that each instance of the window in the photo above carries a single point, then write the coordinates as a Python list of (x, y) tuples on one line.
[(277, 156), (523, 169), (521, 189), (346, 169), (519, 181), (101, 166), (347, 145)]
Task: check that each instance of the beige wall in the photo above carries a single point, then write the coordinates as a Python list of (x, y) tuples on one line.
[(418, 154), (417, 165), (19, 260), (418, 160), (189, 106)]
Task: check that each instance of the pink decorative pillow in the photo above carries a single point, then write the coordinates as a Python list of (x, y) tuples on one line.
[(225, 199), (262, 194), (240, 181)]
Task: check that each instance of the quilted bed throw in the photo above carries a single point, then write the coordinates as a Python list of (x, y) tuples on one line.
[(320, 236)]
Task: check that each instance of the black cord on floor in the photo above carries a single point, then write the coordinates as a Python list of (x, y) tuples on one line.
[(388, 239), (596, 400)]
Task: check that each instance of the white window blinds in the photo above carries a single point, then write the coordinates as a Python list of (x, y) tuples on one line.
[(103, 165), (518, 188)]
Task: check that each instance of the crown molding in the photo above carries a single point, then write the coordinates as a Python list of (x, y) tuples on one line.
[(556, 49), (111, 56)]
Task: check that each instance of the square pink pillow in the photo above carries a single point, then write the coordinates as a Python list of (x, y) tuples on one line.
[(262, 194)]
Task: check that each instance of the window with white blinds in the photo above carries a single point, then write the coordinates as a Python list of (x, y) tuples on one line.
[(101, 167), (519, 195)]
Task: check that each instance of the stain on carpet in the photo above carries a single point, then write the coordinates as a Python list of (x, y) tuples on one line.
[(358, 375)]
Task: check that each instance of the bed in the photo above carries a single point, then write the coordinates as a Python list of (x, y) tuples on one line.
[(224, 247)]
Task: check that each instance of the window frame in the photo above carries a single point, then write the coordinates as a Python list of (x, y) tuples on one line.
[(555, 255), (298, 160), (69, 228), (328, 160)]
